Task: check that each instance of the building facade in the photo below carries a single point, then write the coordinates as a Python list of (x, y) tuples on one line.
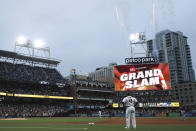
[(186, 94), (149, 48), (172, 47), (104, 74)]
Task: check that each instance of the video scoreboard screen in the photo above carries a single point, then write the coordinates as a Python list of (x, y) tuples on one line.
[(142, 77)]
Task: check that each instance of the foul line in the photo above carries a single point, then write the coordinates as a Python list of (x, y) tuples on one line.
[(46, 128)]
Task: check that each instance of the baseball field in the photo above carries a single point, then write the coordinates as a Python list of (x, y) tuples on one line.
[(96, 124)]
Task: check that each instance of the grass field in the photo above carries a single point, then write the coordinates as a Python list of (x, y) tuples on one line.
[(79, 124)]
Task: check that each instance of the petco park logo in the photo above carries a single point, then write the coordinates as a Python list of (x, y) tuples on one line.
[(141, 60), (132, 69)]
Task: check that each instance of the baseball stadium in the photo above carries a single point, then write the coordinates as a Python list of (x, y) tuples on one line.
[(152, 88), (35, 96)]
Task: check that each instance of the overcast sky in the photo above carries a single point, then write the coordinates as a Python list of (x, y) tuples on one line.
[(86, 34)]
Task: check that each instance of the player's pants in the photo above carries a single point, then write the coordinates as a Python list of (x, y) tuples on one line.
[(99, 115), (130, 111), (183, 117)]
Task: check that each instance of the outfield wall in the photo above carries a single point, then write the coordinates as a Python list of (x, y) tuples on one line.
[(137, 115)]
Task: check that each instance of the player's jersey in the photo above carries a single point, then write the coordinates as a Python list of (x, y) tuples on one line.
[(182, 112), (129, 101)]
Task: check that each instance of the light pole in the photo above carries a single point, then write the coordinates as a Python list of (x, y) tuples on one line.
[(31, 46)]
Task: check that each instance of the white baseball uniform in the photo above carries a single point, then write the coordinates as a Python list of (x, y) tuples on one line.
[(183, 115), (99, 114), (130, 110)]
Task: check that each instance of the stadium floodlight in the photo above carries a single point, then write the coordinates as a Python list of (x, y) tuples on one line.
[(137, 38), (38, 44), (138, 44), (134, 38), (21, 40), (32, 46)]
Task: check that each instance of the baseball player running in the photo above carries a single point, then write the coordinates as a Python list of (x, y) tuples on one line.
[(129, 103)]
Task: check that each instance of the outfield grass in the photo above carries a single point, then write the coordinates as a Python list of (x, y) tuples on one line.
[(50, 124)]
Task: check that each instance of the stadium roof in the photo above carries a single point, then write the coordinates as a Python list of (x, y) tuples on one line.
[(32, 59)]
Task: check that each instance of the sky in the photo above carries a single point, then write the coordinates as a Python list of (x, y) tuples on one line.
[(86, 34)]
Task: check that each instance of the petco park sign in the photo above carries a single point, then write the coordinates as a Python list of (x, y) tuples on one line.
[(141, 60)]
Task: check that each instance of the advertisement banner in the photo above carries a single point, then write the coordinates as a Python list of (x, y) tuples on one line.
[(115, 105), (2, 94), (175, 104), (142, 77), (162, 104), (42, 96)]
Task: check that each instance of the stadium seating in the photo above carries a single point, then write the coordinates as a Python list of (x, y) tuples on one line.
[(21, 72), (31, 109)]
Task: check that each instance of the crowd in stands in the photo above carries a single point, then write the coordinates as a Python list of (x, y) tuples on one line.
[(95, 96), (30, 110), (147, 99), (94, 84), (92, 105), (22, 72), (16, 88), (121, 112), (146, 96)]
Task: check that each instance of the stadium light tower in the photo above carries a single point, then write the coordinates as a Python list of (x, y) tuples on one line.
[(21, 40), (38, 44), (31, 46), (138, 44)]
